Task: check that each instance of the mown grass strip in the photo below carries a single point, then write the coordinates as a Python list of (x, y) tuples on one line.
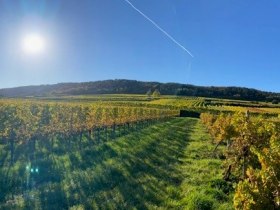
[(165, 166)]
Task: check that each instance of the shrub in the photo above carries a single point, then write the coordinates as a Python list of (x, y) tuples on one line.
[(156, 93)]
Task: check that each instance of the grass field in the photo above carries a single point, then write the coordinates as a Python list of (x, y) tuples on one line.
[(165, 166)]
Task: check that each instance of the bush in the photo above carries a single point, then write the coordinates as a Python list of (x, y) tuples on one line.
[(156, 93)]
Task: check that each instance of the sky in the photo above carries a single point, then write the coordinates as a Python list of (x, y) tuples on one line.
[(233, 42)]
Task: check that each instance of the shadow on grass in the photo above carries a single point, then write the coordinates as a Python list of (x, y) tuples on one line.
[(154, 166), (139, 170)]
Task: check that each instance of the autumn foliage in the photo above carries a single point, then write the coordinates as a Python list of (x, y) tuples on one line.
[(252, 157)]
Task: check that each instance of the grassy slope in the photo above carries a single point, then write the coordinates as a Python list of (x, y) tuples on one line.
[(165, 166)]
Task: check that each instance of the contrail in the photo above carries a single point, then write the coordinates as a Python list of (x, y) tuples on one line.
[(159, 28)]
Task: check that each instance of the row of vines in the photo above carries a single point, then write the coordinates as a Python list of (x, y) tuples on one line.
[(37, 137), (252, 157), (22, 122)]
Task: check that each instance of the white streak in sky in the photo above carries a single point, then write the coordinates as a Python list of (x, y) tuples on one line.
[(159, 28)]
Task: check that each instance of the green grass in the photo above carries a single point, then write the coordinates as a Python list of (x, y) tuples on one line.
[(165, 166), (201, 172)]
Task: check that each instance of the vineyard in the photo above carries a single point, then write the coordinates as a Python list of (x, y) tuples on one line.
[(22, 122), (30, 127), (216, 105), (251, 159), (139, 105), (42, 140)]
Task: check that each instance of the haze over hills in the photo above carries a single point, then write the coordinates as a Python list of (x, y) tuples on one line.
[(122, 86)]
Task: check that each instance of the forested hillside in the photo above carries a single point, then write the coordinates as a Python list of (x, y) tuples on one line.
[(139, 87)]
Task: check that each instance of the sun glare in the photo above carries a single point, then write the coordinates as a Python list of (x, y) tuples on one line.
[(33, 44)]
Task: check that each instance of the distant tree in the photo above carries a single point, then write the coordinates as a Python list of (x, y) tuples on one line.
[(275, 101), (156, 93)]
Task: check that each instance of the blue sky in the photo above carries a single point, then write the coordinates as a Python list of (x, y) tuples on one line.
[(234, 42)]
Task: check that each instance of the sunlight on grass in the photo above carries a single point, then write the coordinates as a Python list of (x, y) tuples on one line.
[(165, 166)]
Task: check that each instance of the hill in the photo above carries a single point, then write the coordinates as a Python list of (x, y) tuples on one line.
[(121, 86)]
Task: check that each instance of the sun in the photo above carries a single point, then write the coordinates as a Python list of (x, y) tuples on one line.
[(33, 44)]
